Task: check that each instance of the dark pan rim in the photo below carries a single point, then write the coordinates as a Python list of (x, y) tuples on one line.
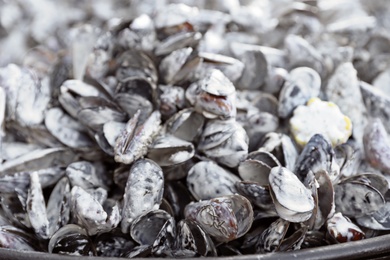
[(377, 247)]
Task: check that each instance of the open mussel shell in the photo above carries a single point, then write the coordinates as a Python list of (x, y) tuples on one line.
[(161, 230), (113, 244), (271, 237), (324, 199), (18, 239), (357, 198), (216, 132), (67, 130), (376, 180), (224, 141), (282, 147), (207, 180), (230, 67), (177, 41), (39, 159), (185, 124), (293, 201), (348, 158), (71, 240), (258, 194), (192, 240), (58, 209), (179, 65), (177, 196), (294, 241), (225, 218), (379, 220), (168, 150), (257, 167)]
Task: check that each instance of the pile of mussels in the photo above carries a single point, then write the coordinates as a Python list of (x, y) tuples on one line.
[(164, 130)]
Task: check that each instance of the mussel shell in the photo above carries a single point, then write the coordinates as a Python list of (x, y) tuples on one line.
[(379, 220), (282, 147), (303, 84), (17, 239), (255, 170), (152, 221), (293, 201), (356, 199), (216, 84), (140, 67), (67, 130), (58, 208), (172, 99), (143, 192), (377, 145), (231, 151), (171, 65), (165, 240), (87, 210), (84, 174), (272, 237), (216, 132), (168, 150), (348, 158), (230, 67), (177, 41), (39, 159), (224, 218), (254, 60), (178, 196), (185, 124), (113, 244), (133, 142), (131, 103), (326, 203), (192, 240), (294, 241), (36, 207), (376, 102), (207, 180), (71, 240), (316, 155), (258, 194)]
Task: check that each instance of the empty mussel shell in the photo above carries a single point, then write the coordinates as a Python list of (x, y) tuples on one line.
[(356, 199), (168, 150), (192, 240), (152, 221), (71, 240), (293, 201)]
